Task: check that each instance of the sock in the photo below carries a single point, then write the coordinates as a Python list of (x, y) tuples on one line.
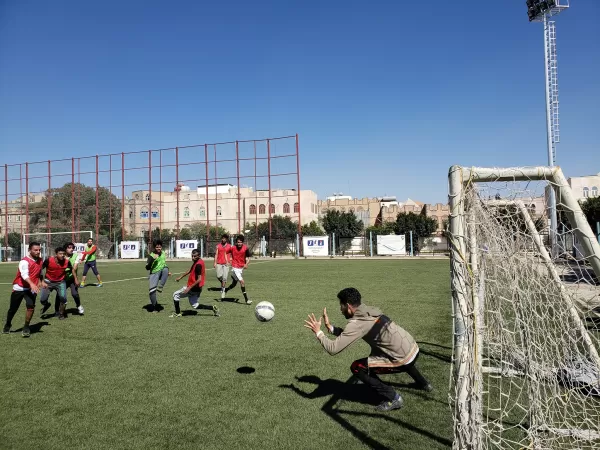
[(244, 292), (177, 309), (153, 297), (77, 300)]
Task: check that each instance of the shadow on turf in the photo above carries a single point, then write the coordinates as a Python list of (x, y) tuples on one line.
[(35, 328), (424, 349), (150, 308), (359, 393)]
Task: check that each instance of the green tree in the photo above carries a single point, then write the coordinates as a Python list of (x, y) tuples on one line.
[(197, 230), (14, 240), (312, 229), (282, 233), (591, 209), (343, 224), (420, 225), (61, 208)]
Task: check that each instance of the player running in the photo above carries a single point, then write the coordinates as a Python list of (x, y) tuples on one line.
[(89, 257), (222, 261), (71, 279), (393, 349), (56, 268), (159, 272), (193, 289), (240, 258), (26, 285)]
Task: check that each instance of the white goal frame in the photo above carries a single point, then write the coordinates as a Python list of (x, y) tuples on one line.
[(42, 233), (464, 265)]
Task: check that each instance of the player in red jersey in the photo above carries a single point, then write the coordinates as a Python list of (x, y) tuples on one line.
[(222, 261), (26, 285), (57, 270), (240, 258), (193, 289)]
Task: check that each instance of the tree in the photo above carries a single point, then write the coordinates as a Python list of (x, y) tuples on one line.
[(197, 230), (14, 240), (61, 208), (343, 224), (312, 229), (591, 209), (282, 233), (420, 225)]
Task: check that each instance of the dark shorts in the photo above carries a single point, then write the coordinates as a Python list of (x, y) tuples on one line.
[(18, 296), (90, 265), (59, 286)]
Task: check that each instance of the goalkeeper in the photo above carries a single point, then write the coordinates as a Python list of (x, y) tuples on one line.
[(393, 349), (159, 272)]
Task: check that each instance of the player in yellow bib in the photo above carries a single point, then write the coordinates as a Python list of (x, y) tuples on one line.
[(159, 272)]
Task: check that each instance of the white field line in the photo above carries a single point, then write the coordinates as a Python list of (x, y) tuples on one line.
[(146, 277)]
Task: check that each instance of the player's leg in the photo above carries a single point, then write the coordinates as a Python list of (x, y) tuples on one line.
[(360, 369), (86, 267), (75, 294), (45, 299), (177, 296), (16, 297), (224, 276), (234, 280), (240, 277), (194, 298), (411, 369), (162, 279), (95, 270), (61, 295), (152, 286), (30, 303)]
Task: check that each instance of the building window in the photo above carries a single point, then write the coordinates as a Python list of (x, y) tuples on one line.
[(130, 214), (261, 209), (147, 197), (202, 211), (144, 213), (286, 208), (272, 210), (219, 212), (296, 207), (586, 192), (324, 211), (155, 213), (186, 212), (594, 191), (252, 209)]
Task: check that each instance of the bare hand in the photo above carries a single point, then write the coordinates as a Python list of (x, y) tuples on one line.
[(326, 319), (313, 323), (245, 266), (35, 288), (177, 279), (170, 274), (215, 265)]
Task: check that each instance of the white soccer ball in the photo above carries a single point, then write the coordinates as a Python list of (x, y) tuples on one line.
[(264, 311)]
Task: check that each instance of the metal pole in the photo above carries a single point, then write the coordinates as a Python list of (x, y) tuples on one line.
[(207, 209), (150, 193), (216, 192), (160, 210), (371, 243), (110, 196), (255, 195), (550, 138), (6, 205), (97, 205), (411, 244), (73, 199), (298, 175), (49, 203), (333, 244), (297, 245), (239, 200), (269, 178), (598, 230), (201, 247), (177, 187), (26, 200), (123, 197)]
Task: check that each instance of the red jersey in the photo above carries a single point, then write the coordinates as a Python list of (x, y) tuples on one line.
[(55, 270), (239, 256), (29, 267), (198, 270), (222, 251)]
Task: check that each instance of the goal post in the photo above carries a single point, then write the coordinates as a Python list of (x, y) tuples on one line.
[(49, 241), (525, 360)]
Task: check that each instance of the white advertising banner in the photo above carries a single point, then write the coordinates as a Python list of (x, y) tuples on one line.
[(184, 248), (315, 245), (394, 244), (130, 249), (80, 248)]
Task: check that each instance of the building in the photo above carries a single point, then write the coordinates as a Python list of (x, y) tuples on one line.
[(585, 187), (223, 205), (13, 213)]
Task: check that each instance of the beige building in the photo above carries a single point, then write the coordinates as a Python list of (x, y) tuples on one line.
[(13, 214), (585, 187), (222, 205)]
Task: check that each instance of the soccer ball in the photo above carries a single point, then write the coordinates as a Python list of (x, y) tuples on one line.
[(264, 311)]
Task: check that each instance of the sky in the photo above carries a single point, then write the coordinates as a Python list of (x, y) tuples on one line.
[(385, 96)]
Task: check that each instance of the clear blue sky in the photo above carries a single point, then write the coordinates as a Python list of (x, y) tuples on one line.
[(384, 95)]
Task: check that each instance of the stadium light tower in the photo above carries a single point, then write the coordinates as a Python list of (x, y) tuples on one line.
[(541, 11)]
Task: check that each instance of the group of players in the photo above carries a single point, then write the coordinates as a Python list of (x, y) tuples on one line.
[(59, 274)]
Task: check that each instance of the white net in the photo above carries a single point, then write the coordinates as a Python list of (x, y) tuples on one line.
[(50, 241), (528, 315)]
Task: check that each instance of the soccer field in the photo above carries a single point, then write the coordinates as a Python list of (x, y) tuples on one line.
[(121, 377)]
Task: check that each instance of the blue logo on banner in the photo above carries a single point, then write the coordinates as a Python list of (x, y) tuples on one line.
[(317, 242), (129, 247), (184, 245)]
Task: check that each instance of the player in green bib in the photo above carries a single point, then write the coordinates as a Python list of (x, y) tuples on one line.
[(159, 272), (89, 257), (74, 258)]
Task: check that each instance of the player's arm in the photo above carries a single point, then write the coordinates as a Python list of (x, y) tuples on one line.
[(336, 331), (351, 333), (92, 250), (70, 266), (182, 275), (150, 261), (247, 258), (24, 270), (42, 272), (216, 253)]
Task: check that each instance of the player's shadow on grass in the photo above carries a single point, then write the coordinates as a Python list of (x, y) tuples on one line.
[(325, 388), (425, 348), (230, 300), (214, 289), (149, 308), (35, 328)]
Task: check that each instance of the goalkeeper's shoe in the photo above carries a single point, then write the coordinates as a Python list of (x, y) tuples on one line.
[(175, 315), (216, 312), (390, 405)]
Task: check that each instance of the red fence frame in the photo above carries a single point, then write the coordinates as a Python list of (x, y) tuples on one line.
[(223, 167)]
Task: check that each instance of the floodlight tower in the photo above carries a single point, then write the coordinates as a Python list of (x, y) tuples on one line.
[(541, 11)]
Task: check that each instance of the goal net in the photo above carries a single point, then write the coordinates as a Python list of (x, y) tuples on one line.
[(526, 304), (50, 241)]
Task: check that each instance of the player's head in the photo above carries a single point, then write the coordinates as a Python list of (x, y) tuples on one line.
[(69, 248), (90, 241), (224, 238), (157, 244), (195, 254), (34, 249), (239, 240), (60, 253), (349, 300)]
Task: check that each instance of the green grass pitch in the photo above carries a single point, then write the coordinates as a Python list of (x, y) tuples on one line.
[(120, 377)]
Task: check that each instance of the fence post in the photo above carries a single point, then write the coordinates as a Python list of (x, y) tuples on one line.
[(201, 248), (411, 244), (116, 245), (371, 243), (598, 230), (297, 245), (333, 244)]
